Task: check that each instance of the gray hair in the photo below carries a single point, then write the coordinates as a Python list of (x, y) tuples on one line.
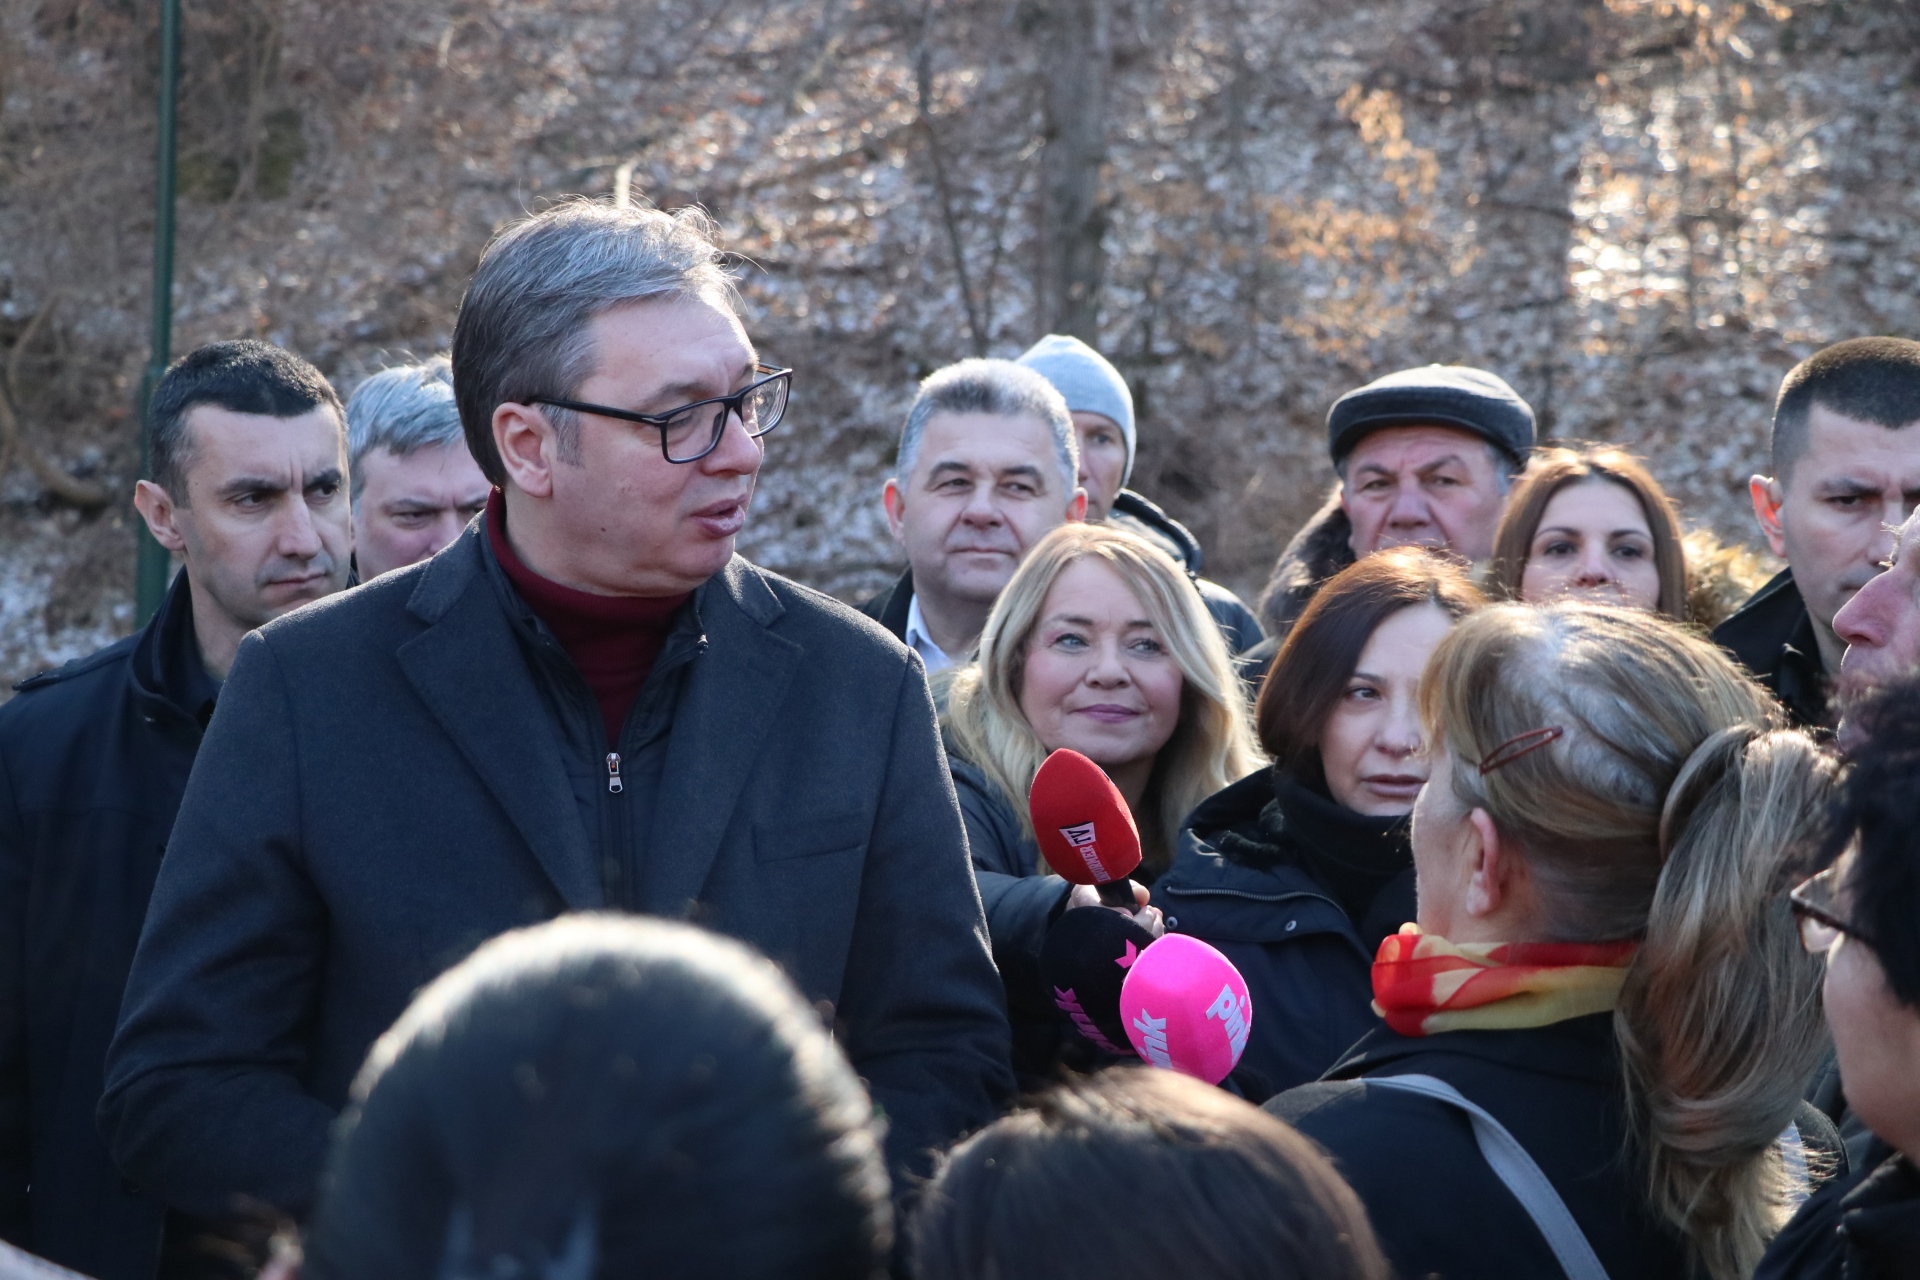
[(402, 410), (522, 331), (998, 387)]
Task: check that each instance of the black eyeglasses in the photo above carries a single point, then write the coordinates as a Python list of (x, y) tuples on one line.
[(693, 431), (1815, 910)]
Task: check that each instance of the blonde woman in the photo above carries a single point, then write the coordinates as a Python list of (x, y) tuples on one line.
[(1604, 962), (1102, 644)]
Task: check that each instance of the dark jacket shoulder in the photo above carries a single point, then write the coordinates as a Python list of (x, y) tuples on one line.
[(1772, 635), (890, 607), (1555, 1088)]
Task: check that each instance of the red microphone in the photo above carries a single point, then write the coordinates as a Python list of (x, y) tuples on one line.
[(1085, 831)]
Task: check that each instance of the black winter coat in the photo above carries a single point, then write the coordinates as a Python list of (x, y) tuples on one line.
[(401, 772), (93, 760), (1307, 963), (1772, 636), (1437, 1206)]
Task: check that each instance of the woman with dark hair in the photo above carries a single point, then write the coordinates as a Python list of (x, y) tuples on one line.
[(1863, 915), (1141, 1174), (1592, 523), (599, 1098), (1600, 1029), (1298, 871)]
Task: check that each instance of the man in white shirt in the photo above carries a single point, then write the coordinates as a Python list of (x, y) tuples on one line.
[(987, 466)]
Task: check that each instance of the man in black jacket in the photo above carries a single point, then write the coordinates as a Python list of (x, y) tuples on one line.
[(585, 703), (1846, 470), (249, 486)]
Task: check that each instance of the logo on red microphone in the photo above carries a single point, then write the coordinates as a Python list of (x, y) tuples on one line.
[(1082, 839)]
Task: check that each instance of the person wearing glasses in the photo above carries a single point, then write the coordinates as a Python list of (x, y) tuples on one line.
[(987, 466), (1599, 1031), (587, 702), (1861, 914)]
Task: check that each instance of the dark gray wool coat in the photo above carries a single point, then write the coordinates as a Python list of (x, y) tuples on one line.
[(403, 771)]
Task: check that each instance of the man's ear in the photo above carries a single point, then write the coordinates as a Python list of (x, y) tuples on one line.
[(1489, 886), (896, 505), (158, 510), (1077, 508), (1769, 495), (529, 447)]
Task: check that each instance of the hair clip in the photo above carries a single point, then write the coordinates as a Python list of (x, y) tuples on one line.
[(1513, 748)]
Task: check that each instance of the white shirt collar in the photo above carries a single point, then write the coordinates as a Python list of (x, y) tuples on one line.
[(921, 643)]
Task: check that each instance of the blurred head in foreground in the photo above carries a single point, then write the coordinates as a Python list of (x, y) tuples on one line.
[(602, 1097), (1141, 1173)]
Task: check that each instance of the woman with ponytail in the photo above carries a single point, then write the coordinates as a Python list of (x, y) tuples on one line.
[(1599, 1030)]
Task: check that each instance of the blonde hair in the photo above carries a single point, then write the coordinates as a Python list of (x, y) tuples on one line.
[(1211, 745), (1670, 809)]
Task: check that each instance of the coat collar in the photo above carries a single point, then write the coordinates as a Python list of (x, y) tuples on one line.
[(1581, 1048), (470, 670)]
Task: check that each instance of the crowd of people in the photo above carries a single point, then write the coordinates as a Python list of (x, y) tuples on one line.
[(475, 870)]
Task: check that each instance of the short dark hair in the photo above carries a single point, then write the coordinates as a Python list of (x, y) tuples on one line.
[(521, 332), (1873, 380), (1321, 651), (242, 376), (1137, 1174), (1878, 804), (638, 1097)]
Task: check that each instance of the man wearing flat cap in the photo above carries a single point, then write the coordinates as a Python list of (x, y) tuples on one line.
[(1425, 458)]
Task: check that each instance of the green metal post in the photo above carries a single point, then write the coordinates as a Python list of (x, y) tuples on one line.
[(151, 564)]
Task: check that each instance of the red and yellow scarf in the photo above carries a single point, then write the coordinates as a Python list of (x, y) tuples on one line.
[(1422, 983)]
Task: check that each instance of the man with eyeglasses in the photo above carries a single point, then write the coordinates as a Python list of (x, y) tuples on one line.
[(587, 702)]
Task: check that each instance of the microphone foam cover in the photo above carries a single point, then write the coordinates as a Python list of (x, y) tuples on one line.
[(1186, 1008), (1084, 960), (1081, 821)]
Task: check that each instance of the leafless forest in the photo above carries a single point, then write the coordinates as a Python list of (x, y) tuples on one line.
[(1640, 212)]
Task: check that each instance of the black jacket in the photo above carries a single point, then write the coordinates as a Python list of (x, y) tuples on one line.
[(1437, 1206), (1772, 636), (93, 760), (399, 773), (1322, 548), (1307, 961), (1865, 1226), (890, 607)]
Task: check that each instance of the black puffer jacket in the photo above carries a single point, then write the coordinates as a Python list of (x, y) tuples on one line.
[(1274, 874), (94, 758)]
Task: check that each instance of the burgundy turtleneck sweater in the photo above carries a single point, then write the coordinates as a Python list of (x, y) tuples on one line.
[(613, 640)]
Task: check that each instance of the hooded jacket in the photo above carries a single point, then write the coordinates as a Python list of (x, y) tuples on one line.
[(94, 758), (1259, 891)]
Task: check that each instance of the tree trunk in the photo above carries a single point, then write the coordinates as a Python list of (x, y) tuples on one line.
[(1077, 61)]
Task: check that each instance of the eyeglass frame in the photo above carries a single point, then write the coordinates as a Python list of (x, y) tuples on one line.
[(733, 405), (1804, 908)]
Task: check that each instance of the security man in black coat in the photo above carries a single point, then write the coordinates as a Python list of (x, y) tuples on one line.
[(585, 703), (250, 487)]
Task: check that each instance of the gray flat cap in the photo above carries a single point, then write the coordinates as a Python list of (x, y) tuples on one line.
[(1447, 395)]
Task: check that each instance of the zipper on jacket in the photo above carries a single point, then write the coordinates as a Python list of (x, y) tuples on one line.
[(614, 785)]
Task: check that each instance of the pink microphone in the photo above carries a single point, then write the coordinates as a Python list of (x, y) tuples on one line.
[(1186, 1008)]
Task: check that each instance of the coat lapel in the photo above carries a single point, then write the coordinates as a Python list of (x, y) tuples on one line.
[(470, 673), (731, 699)]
